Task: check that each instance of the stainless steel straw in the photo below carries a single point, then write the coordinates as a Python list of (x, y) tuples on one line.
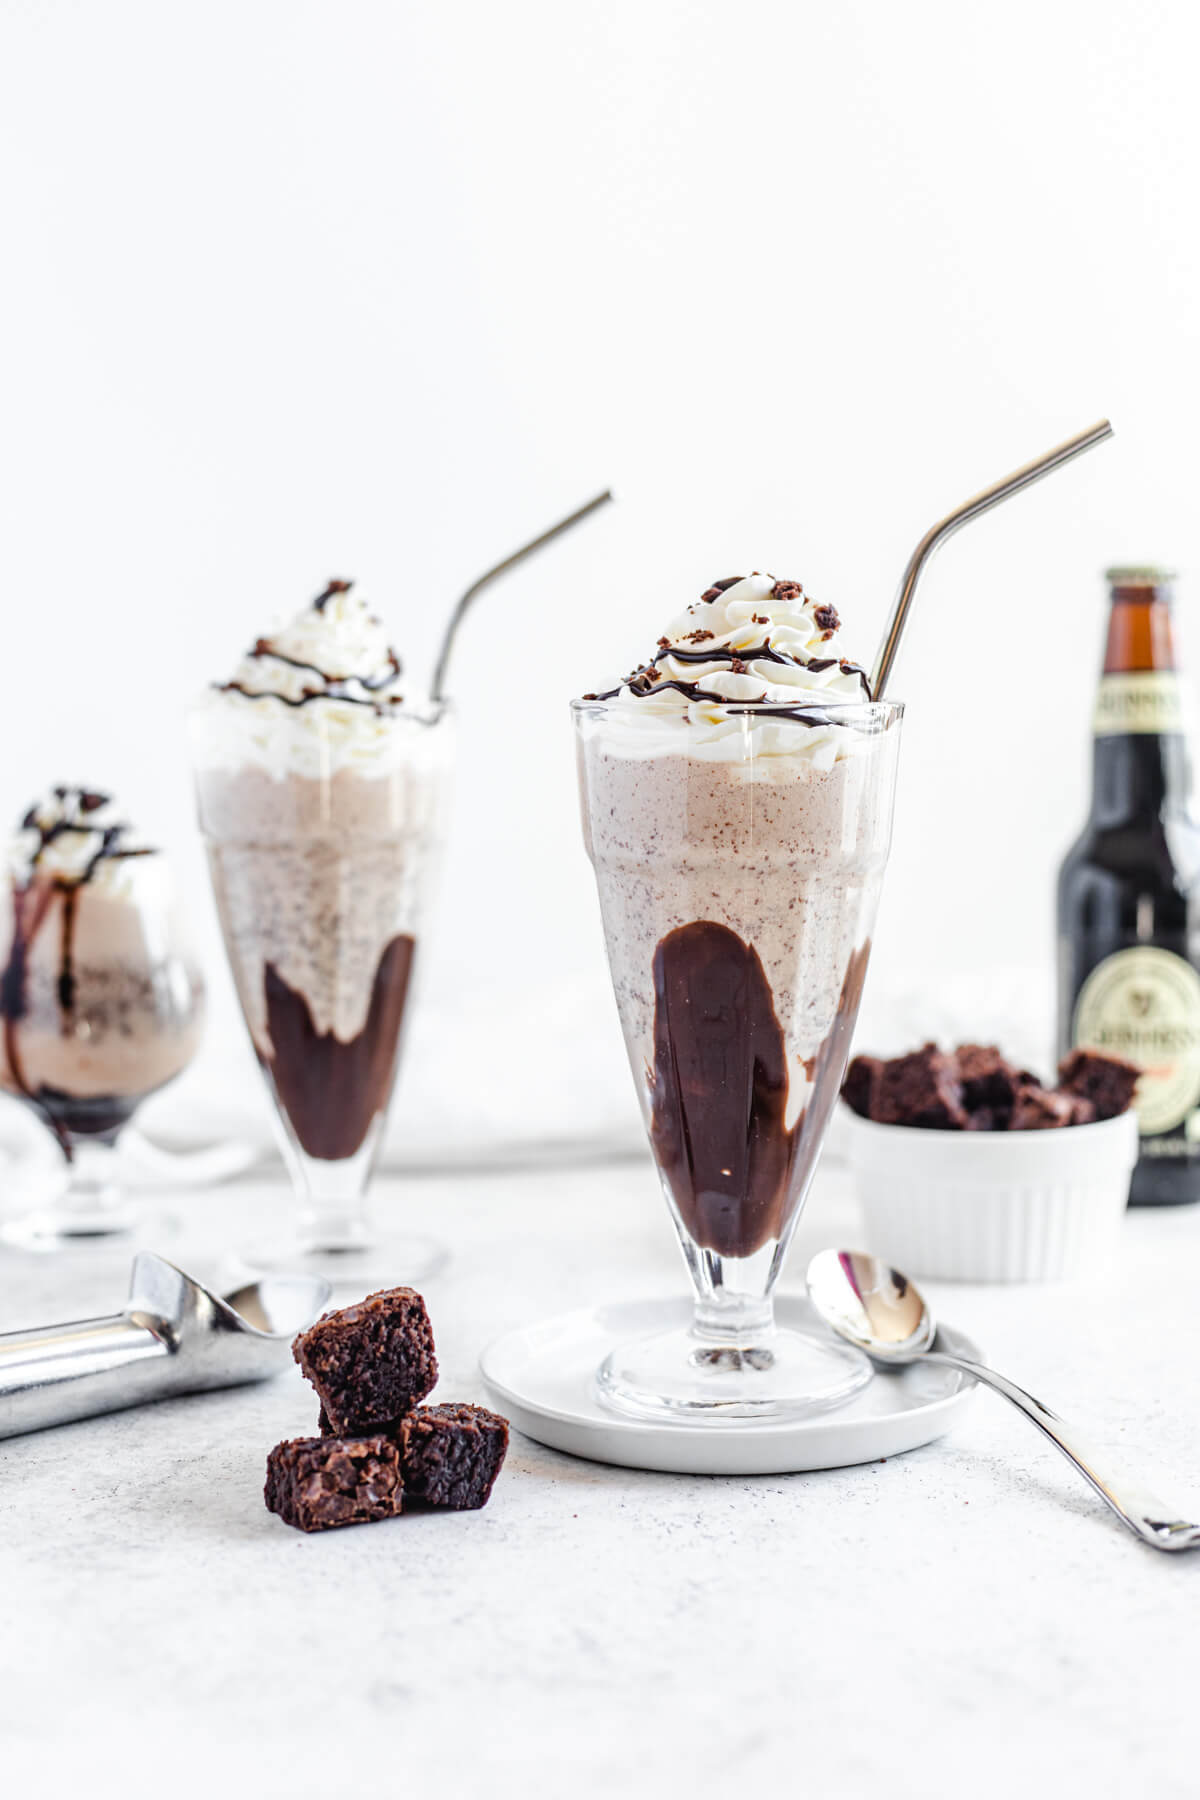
[(502, 568), (937, 534)]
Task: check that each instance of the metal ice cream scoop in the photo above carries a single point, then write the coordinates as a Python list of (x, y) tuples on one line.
[(173, 1337)]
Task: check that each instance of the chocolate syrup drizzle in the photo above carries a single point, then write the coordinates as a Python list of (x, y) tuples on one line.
[(31, 902), (333, 686), (643, 681), (331, 588)]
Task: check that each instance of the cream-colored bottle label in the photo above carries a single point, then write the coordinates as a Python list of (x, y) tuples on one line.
[(1144, 1004), (1151, 701)]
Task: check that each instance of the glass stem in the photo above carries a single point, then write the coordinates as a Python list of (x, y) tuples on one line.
[(733, 1318), (733, 1303), (90, 1202), (333, 1203)]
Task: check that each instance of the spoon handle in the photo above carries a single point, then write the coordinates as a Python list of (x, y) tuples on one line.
[(1151, 1520)]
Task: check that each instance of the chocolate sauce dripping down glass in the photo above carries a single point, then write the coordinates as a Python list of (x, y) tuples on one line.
[(438, 685), (31, 902)]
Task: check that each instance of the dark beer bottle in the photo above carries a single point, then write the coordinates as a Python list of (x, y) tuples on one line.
[(1129, 891)]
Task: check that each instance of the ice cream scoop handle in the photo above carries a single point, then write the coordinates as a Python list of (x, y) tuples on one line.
[(64, 1372)]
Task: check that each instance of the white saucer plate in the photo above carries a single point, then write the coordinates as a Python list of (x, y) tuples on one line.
[(544, 1378)]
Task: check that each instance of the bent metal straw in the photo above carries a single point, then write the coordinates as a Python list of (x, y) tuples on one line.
[(502, 568), (937, 534)]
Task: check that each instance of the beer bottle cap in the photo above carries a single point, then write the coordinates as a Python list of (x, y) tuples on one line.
[(1139, 575)]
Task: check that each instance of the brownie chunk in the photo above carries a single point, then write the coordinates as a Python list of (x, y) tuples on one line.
[(388, 1427), (862, 1085), (922, 1089), (370, 1363), (317, 1483), (1106, 1081), (1040, 1109), (988, 1078), (451, 1455)]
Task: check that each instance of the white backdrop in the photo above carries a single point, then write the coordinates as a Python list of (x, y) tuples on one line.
[(361, 288)]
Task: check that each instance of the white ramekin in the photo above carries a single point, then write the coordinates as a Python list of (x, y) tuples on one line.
[(993, 1205)]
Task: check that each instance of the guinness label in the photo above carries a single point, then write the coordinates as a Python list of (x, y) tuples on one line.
[(1144, 1004), (1148, 702)]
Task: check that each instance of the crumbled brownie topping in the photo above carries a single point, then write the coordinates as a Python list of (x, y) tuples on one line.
[(699, 637), (787, 590), (826, 619), (331, 589)]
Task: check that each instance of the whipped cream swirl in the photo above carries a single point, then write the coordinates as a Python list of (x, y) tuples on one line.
[(318, 695), (335, 650), (749, 643), (71, 836)]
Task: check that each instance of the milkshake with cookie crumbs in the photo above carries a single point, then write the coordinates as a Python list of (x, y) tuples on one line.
[(737, 800), (321, 794)]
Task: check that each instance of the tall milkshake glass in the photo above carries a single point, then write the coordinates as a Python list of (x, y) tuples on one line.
[(737, 800), (322, 796)]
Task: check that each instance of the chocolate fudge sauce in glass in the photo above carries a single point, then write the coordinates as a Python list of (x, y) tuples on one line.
[(101, 999), (321, 795), (737, 800)]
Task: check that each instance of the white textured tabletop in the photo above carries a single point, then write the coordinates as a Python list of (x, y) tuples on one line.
[(964, 1619)]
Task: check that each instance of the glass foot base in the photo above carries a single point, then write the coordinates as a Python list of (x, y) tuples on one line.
[(356, 1268), (692, 1380), (56, 1228)]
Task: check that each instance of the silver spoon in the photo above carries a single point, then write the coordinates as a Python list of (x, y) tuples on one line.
[(877, 1309)]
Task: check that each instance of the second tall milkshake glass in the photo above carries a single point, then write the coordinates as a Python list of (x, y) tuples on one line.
[(738, 871), (322, 806)]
